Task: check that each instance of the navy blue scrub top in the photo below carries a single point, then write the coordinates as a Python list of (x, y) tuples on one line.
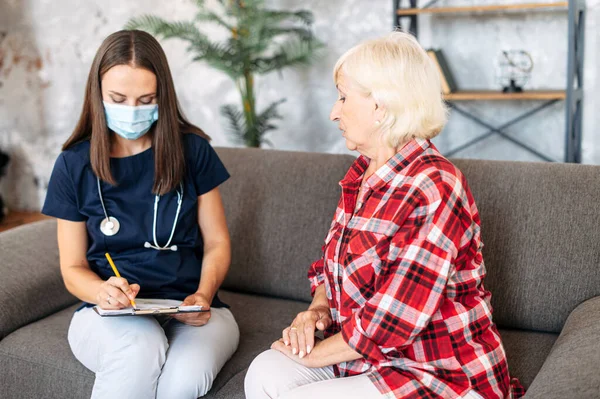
[(73, 195)]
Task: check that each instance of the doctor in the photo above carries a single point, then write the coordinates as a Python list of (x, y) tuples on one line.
[(137, 180)]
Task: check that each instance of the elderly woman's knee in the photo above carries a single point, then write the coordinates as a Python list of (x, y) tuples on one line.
[(264, 378), (260, 366)]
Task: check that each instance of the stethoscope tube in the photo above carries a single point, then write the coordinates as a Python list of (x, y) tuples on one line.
[(166, 246), (111, 226)]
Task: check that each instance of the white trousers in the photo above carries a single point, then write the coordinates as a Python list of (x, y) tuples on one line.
[(272, 375), (137, 357)]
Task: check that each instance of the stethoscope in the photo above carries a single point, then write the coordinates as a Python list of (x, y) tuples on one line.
[(111, 226)]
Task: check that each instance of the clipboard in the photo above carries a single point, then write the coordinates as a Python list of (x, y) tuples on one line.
[(151, 307)]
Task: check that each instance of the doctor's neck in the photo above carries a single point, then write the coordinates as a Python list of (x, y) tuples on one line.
[(121, 147)]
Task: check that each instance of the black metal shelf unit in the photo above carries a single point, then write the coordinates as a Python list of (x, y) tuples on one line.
[(573, 93)]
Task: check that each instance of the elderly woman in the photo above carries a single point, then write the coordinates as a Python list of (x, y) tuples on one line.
[(399, 290)]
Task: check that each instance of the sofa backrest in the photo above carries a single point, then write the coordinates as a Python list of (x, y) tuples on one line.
[(279, 206), (539, 226), (541, 231)]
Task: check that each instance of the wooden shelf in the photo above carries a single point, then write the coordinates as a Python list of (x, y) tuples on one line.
[(485, 95), (507, 7), (17, 218)]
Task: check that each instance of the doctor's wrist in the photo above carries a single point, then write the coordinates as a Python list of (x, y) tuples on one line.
[(208, 297)]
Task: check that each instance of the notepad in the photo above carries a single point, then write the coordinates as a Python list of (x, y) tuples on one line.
[(151, 307)]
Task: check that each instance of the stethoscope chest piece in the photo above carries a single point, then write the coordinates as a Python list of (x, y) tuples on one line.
[(109, 226)]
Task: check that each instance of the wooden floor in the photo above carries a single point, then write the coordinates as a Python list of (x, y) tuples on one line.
[(18, 218)]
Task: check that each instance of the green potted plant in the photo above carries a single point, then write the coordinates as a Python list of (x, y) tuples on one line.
[(261, 40)]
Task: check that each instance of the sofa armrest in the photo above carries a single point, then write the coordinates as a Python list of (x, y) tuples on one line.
[(31, 286), (571, 369)]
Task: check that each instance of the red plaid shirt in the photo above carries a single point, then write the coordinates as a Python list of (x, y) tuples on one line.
[(403, 272)]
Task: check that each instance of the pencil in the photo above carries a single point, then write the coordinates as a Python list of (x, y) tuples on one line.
[(112, 264)]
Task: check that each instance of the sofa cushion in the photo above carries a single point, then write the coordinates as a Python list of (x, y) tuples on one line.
[(37, 358), (539, 224), (261, 321), (279, 206), (32, 287), (526, 352)]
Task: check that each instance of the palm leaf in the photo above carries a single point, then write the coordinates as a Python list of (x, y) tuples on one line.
[(224, 59), (236, 124), (210, 16), (290, 53), (269, 113), (240, 9), (167, 30), (276, 17), (270, 32), (215, 54), (263, 124)]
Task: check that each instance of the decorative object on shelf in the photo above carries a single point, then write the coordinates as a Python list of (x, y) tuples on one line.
[(513, 70), (260, 41), (4, 159), (446, 77)]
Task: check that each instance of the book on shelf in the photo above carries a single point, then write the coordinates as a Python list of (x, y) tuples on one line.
[(446, 77)]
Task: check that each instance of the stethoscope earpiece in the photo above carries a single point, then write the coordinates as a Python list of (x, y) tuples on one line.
[(111, 226)]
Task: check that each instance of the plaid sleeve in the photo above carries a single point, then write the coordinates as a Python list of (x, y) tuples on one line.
[(315, 274), (420, 259), (316, 270)]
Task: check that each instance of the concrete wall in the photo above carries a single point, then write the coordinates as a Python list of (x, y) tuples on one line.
[(46, 48)]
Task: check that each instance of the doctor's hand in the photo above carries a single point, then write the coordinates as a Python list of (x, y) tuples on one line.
[(300, 335), (116, 293), (195, 319)]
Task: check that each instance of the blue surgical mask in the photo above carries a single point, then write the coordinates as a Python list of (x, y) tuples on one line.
[(130, 122)]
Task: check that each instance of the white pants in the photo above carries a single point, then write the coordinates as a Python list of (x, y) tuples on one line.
[(136, 357), (272, 375)]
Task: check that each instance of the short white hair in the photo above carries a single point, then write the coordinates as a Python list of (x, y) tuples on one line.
[(400, 76)]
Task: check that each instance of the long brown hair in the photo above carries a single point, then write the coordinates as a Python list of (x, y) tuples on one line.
[(138, 49)]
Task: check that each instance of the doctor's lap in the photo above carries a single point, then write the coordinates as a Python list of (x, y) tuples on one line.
[(173, 359)]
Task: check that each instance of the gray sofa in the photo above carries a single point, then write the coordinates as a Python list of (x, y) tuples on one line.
[(542, 250)]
